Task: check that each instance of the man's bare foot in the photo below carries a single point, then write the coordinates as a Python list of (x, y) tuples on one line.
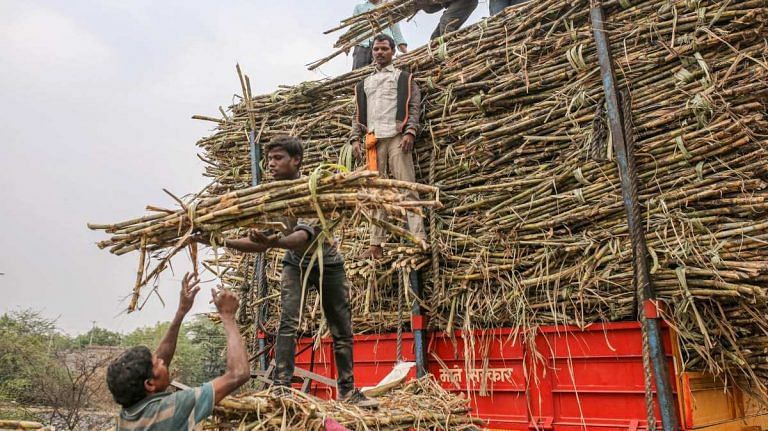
[(374, 252)]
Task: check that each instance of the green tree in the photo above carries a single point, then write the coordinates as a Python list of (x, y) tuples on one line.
[(27, 340), (210, 342), (199, 348), (98, 337)]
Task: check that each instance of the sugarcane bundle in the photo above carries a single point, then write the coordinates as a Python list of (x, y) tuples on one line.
[(366, 25), (8, 425), (420, 405), (532, 231), (324, 195)]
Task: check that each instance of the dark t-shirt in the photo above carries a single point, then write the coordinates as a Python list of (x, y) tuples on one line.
[(331, 255)]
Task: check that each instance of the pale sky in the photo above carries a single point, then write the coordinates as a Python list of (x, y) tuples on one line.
[(95, 120)]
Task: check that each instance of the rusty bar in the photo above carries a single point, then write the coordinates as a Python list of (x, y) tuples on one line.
[(629, 186)]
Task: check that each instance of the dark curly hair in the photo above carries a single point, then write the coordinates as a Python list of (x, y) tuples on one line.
[(289, 144), (127, 373)]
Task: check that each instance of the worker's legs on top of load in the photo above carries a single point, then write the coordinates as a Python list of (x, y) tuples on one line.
[(361, 57), (455, 14), (394, 162), (334, 292), (290, 307), (334, 297), (498, 6)]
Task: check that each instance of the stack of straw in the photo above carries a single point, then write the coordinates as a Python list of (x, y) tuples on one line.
[(8, 425), (533, 230), (420, 405)]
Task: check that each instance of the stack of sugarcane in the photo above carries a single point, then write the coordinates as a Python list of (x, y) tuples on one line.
[(366, 25), (420, 405), (533, 229), (8, 425), (324, 195)]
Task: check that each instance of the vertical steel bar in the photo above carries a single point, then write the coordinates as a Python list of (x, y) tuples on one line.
[(629, 186), (419, 333), (259, 272)]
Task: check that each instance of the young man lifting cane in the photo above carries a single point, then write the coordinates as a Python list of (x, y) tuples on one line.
[(284, 157)]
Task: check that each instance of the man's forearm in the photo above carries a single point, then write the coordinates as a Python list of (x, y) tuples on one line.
[(242, 244), (414, 110), (167, 347), (296, 241), (356, 135), (237, 359)]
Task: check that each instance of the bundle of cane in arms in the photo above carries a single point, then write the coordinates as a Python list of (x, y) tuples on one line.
[(333, 195), (364, 26)]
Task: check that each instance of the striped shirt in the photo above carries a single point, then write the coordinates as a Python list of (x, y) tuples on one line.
[(169, 411)]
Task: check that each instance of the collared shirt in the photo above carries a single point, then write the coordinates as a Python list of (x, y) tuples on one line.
[(393, 31), (169, 411), (381, 93)]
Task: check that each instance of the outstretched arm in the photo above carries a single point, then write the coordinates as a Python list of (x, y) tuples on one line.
[(238, 370), (167, 347), (257, 242)]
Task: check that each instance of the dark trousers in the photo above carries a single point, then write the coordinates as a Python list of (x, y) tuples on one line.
[(361, 57), (455, 14), (496, 6), (334, 293)]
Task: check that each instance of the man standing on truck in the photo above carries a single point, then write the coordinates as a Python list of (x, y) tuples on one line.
[(386, 121), (361, 55), (299, 239), (456, 13), (138, 379)]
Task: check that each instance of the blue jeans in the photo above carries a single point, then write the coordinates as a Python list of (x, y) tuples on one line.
[(496, 6)]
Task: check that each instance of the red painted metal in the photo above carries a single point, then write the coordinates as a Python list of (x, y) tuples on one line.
[(688, 403), (418, 321), (652, 309), (558, 378)]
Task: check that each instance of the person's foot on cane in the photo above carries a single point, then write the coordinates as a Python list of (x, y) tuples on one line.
[(356, 398)]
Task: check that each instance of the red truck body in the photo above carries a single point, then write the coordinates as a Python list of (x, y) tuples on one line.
[(561, 378)]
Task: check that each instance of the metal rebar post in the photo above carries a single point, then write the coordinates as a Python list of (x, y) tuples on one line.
[(259, 269), (417, 321), (629, 190)]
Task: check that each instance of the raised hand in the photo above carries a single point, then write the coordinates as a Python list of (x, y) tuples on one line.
[(226, 302), (189, 288)]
